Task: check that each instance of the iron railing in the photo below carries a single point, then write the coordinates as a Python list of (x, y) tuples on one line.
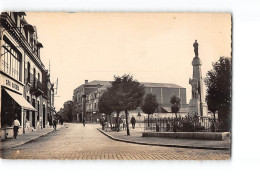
[(183, 124)]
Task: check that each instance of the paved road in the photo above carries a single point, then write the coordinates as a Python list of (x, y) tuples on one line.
[(77, 142)]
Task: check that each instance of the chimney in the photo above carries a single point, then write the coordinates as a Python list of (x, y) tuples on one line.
[(86, 81)]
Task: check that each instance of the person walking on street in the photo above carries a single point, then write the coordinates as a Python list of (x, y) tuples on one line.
[(133, 122), (54, 124), (124, 124), (84, 122), (16, 127)]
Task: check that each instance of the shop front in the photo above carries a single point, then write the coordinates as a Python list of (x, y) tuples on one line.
[(13, 106)]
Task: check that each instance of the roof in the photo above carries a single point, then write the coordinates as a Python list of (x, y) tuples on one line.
[(103, 83), (39, 44), (146, 84), (29, 27), (166, 108), (169, 85), (21, 13)]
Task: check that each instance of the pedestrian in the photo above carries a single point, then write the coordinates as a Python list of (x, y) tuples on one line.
[(124, 124), (16, 127), (84, 122), (41, 123), (54, 124), (133, 122)]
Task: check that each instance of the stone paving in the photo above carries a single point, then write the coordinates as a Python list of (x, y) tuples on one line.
[(87, 143), (27, 137)]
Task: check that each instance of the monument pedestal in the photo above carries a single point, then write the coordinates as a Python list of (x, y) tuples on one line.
[(194, 107), (204, 109)]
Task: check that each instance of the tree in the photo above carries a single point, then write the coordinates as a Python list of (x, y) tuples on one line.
[(149, 105), (176, 104), (210, 99), (127, 95), (218, 98), (104, 104), (115, 102)]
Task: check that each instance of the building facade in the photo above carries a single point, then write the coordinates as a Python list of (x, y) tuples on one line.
[(86, 96), (66, 111), (24, 79), (92, 111)]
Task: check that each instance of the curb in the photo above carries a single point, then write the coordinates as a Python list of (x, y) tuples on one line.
[(163, 145), (28, 141)]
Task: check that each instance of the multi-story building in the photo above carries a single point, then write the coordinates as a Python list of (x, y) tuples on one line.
[(24, 91), (92, 111), (87, 95), (49, 95), (66, 111)]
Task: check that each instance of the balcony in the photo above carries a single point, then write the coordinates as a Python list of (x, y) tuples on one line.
[(36, 88)]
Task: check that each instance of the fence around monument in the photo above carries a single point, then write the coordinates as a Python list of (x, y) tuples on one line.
[(182, 124)]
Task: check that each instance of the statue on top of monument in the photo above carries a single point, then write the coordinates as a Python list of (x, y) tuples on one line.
[(195, 86), (196, 48)]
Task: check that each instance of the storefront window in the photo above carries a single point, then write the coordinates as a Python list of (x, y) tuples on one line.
[(11, 61), (10, 110)]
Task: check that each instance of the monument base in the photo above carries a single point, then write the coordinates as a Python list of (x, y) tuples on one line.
[(204, 109), (201, 109), (194, 107)]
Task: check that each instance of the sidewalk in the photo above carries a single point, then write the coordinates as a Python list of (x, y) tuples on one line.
[(136, 138), (25, 138)]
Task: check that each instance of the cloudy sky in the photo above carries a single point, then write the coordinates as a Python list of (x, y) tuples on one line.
[(153, 47)]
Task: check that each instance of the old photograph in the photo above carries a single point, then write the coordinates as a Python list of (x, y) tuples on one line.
[(115, 86)]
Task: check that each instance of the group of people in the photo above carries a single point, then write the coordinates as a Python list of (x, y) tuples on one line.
[(123, 121), (17, 125)]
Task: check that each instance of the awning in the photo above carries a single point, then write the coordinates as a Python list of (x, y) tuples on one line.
[(20, 100)]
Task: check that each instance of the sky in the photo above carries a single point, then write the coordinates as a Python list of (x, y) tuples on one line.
[(153, 47)]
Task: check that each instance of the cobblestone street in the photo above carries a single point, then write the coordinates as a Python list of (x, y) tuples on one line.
[(77, 142)]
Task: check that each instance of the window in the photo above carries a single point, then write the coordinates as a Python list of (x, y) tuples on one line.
[(28, 72), (34, 75), (31, 39), (11, 64), (39, 76)]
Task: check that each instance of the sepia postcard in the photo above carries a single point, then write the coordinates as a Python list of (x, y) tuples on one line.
[(115, 86)]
